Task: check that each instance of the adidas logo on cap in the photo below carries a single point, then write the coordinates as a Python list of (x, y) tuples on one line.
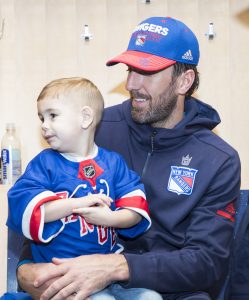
[(187, 55)]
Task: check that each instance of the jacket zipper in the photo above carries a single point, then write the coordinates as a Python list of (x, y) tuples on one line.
[(149, 153)]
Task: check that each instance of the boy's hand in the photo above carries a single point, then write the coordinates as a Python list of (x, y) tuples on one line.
[(92, 200), (96, 215)]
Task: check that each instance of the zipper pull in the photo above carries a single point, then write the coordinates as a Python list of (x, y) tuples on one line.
[(152, 139)]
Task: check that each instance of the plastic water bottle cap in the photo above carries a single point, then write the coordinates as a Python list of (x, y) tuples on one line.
[(10, 126)]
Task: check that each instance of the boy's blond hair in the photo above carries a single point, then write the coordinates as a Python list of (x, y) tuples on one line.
[(83, 88)]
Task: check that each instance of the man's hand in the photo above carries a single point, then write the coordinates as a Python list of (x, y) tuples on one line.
[(27, 273), (82, 276)]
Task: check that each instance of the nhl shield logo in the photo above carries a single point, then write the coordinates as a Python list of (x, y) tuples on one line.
[(181, 180), (89, 171)]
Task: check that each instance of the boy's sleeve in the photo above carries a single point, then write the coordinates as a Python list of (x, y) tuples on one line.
[(130, 194), (26, 204)]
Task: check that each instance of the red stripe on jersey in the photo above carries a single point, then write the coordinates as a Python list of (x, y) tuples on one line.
[(134, 201), (35, 219), (225, 215)]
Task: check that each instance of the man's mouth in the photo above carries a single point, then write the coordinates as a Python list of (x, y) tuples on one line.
[(140, 99)]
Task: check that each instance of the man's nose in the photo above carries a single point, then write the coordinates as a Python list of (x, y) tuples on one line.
[(134, 81)]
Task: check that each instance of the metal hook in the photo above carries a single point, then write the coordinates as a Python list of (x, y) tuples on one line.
[(210, 34), (87, 35)]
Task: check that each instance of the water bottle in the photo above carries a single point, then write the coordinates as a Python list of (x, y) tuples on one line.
[(0, 169), (10, 155)]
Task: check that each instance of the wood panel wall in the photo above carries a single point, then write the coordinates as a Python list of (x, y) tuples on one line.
[(41, 41)]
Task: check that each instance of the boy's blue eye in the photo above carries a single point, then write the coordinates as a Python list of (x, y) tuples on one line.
[(52, 116)]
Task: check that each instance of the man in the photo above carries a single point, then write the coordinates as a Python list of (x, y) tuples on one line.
[(191, 177)]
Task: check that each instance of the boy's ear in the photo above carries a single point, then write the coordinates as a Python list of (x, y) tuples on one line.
[(87, 116)]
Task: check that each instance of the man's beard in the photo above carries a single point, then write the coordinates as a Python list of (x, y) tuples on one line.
[(159, 110)]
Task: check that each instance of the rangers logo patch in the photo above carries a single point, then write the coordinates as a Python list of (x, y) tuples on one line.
[(181, 180), (89, 171), (140, 39)]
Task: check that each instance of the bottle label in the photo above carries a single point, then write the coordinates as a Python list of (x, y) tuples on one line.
[(5, 156), (5, 162), (11, 165)]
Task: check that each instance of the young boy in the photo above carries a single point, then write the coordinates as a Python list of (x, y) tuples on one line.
[(63, 201)]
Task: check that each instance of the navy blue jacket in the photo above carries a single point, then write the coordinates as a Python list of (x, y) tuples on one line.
[(192, 178)]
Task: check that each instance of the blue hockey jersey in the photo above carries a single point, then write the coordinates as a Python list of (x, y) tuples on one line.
[(50, 176)]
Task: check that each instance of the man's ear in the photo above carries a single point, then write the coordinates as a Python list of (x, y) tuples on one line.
[(185, 81), (87, 116)]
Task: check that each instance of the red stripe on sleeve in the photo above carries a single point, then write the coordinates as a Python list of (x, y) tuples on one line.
[(35, 220), (135, 201), (225, 215)]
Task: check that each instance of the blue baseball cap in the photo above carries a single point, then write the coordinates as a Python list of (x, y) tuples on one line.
[(157, 43)]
